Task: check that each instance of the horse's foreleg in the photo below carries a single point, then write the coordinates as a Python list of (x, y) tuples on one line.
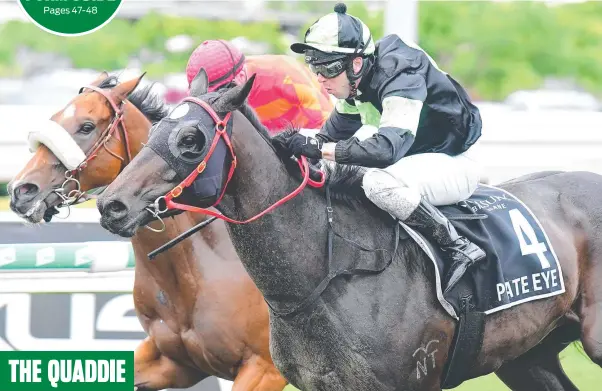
[(539, 368), (591, 307), (591, 336), (155, 371), (256, 374)]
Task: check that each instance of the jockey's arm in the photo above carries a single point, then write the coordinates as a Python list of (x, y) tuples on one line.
[(402, 103), (344, 119)]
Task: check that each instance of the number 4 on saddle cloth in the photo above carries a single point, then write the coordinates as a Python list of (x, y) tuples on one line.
[(521, 264)]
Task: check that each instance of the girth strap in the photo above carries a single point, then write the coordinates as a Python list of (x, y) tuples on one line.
[(467, 342)]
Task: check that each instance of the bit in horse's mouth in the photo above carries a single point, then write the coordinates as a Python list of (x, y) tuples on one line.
[(128, 228), (169, 213), (50, 212)]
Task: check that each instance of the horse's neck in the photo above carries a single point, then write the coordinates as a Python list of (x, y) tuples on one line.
[(137, 127), (181, 271), (169, 268), (285, 250)]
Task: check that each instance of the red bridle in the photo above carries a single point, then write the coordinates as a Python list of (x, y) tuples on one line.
[(108, 132), (220, 130), (73, 196)]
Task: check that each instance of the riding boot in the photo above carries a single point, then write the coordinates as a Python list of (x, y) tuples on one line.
[(428, 220)]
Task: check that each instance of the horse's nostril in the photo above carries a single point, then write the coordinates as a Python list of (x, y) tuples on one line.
[(116, 207), (26, 189)]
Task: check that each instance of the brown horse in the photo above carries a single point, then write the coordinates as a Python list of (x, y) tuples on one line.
[(360, 331), (203, 315)]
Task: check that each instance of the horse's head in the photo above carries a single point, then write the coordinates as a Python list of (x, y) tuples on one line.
[(82, 147), (188, 158)]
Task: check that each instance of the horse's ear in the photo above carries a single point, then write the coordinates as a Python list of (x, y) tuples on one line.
[(199, 84), (235, 97), (103, 75), (122, 90)]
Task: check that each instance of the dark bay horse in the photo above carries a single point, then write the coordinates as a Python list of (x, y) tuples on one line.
[(201, 311), (362, 332)]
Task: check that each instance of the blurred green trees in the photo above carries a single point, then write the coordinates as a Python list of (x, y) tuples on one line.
[(116, 43), (494, 48)]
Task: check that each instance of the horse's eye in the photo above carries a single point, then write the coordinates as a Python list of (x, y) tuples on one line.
[(87, 128), (188, 141)]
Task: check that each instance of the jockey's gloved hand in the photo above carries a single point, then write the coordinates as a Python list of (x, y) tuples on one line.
[(307, 146), (280, 143)]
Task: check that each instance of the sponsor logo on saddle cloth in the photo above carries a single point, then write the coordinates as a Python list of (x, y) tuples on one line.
[(521, 264)]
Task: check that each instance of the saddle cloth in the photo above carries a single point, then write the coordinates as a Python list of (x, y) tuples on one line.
[(521, 264)]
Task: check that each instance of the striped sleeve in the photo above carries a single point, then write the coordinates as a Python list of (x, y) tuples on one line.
[(344, 120)]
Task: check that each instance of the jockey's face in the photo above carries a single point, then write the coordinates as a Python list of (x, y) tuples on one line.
[(338, 86)]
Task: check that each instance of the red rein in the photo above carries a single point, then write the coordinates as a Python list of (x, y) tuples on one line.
[(220, 130)]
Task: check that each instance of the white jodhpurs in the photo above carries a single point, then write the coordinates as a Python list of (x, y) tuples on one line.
[(439, 178)]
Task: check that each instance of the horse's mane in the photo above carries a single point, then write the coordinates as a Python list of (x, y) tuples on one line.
[(149, 104), (344, 181)]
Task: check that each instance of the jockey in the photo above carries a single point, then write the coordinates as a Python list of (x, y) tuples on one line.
[(402, 117), (284, 93)]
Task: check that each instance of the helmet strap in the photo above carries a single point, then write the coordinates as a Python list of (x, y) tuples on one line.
[(351, 75)]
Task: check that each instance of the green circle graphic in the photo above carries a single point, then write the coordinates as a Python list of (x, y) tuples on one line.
[(70, 17)]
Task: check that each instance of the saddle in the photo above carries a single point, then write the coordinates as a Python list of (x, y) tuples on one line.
[(520, 266)]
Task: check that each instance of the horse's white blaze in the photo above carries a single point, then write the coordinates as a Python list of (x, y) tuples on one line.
[(69, 112)]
